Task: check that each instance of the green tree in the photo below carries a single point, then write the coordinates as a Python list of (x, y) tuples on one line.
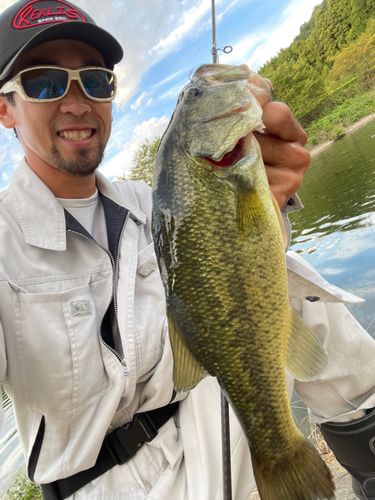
[(142, 162), (362, 10), (357, 59), (307, 28), (333, 47)]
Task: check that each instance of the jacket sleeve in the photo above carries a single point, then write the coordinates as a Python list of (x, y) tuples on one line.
[(346, 388), (293, 204), (3, 366)]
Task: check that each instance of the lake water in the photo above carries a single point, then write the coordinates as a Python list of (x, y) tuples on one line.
[(11, 458), (335, 233)]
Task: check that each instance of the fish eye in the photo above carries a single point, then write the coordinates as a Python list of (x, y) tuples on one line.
[(194, 92)]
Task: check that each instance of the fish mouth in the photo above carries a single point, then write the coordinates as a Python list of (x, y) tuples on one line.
[(232, 157)]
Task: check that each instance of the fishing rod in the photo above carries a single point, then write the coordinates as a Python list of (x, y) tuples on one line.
[(227, 49), (225, 428), (215, 58), (225, 451)]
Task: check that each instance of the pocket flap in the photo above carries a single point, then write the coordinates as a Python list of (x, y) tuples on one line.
[(147, 263)]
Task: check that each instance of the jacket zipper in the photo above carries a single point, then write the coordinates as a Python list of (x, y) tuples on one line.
[(115, 271), (113, 295)]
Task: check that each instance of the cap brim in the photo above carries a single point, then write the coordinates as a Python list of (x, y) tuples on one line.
[(88, 33)]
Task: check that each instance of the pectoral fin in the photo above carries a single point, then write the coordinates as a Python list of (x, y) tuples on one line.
[(250, 209), (306, 358), (187, 372)]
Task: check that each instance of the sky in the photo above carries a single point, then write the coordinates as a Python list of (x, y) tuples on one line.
[(163, 42)]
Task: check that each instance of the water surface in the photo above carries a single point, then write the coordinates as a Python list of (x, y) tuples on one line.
[(335, 232)]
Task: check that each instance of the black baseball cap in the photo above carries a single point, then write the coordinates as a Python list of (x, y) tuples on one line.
[(26, 24)]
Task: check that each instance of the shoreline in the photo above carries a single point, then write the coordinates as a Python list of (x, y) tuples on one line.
[(354, 126)]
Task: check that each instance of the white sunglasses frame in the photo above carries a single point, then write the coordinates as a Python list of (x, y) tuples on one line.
[(15, 85)]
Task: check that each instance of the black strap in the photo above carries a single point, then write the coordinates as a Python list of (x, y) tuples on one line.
[(353, 442), (117, 448)]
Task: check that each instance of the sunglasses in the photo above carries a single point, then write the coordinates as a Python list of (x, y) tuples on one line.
[(51, 83)]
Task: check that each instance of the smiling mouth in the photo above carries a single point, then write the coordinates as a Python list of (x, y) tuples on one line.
[(76, 135)]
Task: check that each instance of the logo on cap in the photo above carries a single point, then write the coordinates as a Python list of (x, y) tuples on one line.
[(40, 12)]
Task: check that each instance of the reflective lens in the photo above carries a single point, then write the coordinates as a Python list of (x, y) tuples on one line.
[(51, 83), (44, 83), (97, 83)]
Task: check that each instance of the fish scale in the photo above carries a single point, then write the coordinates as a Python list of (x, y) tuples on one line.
[(221, 255)]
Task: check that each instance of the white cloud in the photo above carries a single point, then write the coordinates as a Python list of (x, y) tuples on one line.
[(147, 31), (138, 102), (245, 46), (331, 271), (260, 46), (138, 26), (189, 20), (136, 106), (121, 161), (171, 77), (193, 21), (10, 156), (171, 93)]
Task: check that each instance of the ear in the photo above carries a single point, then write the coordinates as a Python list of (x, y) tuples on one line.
[(6, 113)]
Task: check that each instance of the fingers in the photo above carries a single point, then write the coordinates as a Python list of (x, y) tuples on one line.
[(279, 121), (284, 156), (284, 183), (281, 153), (286, 165)]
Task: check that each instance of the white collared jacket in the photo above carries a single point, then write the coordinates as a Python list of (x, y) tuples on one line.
[(55, 286)]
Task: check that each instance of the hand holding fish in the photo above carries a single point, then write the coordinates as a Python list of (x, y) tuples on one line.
[(282, 145)]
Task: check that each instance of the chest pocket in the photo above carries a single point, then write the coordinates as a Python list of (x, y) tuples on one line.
[(149, 311), (58, 348)]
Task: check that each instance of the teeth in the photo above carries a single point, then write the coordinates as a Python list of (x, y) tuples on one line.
[(76, 135)]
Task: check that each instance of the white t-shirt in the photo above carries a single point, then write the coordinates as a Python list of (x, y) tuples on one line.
[(89, 212)]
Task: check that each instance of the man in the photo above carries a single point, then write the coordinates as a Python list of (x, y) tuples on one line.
[(84, 349)]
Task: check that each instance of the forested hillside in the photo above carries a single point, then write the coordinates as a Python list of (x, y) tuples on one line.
[(329, 64)]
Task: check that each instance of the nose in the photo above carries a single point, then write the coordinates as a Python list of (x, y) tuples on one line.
[(75, 101)]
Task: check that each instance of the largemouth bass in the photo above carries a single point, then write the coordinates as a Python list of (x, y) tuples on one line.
[(220, 251)]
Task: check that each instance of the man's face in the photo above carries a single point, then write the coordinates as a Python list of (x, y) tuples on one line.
[(70, 134)]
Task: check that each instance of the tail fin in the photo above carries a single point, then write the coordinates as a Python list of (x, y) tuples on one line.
[(304, 477)]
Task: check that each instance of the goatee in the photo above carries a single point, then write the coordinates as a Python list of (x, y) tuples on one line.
[(84, 164)]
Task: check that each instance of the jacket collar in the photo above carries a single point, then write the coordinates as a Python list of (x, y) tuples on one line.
[(40, 214)]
